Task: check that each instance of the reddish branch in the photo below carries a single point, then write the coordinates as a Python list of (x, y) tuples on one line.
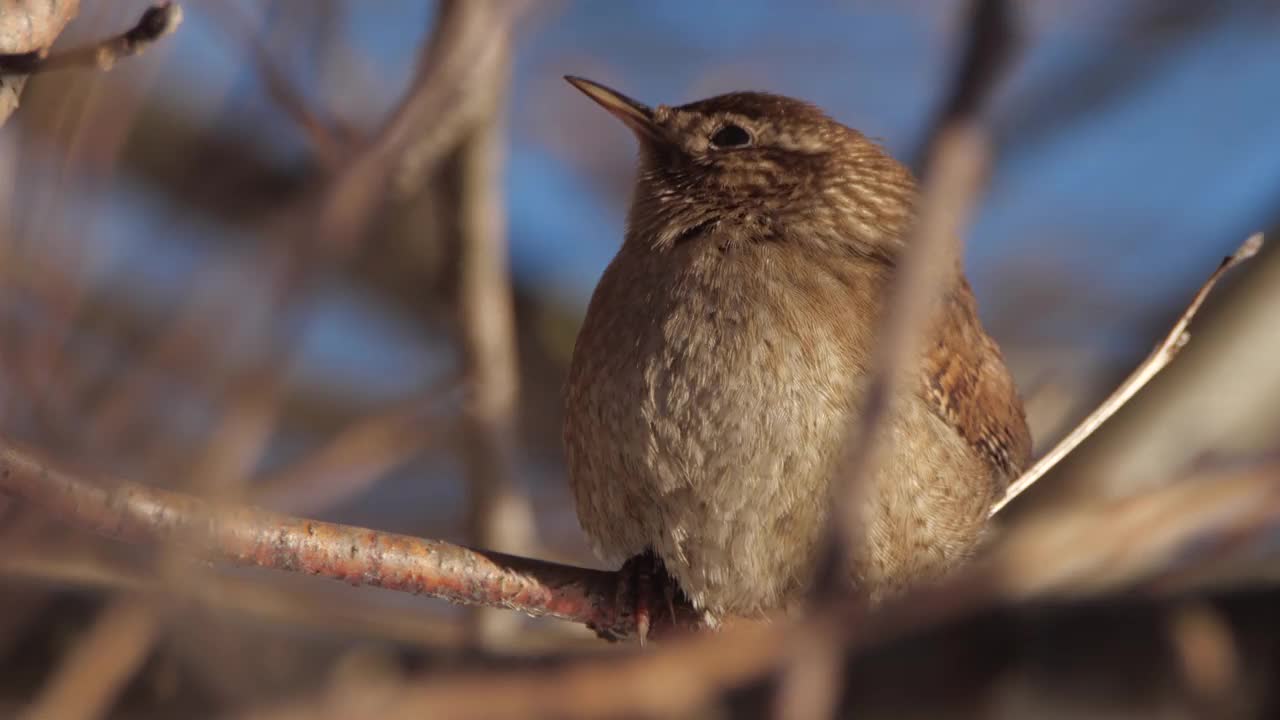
[(359, 556)]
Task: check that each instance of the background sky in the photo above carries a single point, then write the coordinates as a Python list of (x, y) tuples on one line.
[(1136, 140)]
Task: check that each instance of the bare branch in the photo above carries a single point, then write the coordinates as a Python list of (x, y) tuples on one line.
[(28, 28), (1218, 525), (953, 178), (156, 22), (353, 460), (499, 514), (1159, 358), (330, 139), (469, 48), (97, 669), (282, 605), (467, 35), (249, 536)]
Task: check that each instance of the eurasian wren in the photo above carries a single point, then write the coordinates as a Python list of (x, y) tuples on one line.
[(726, 348)]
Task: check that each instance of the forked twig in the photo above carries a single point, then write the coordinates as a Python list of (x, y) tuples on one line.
[(329, 136), (1159, 358)]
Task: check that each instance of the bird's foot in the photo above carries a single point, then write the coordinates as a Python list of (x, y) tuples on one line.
[(644, 588)]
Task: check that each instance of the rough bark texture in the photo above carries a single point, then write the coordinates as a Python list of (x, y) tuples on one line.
[(360, 556)]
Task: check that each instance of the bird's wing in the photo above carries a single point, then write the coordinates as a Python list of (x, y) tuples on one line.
[(967, 384)]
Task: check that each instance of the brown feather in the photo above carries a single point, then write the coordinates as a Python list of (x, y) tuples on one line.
[(725, 352), (966, 382)]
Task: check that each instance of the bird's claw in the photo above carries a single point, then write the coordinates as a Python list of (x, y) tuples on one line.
[(641, 577)]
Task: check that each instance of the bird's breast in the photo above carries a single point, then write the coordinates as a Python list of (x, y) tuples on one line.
[(707, 405)]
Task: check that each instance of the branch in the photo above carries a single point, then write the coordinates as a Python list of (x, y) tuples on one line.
[(431, 117), (360, 453), (158, 21), (329, 138), (1149, 546), (470, 49), (281, 605), (500, 515), (27, 27), (1074, 605), (358, 556), (97, 669), (952, 180), (1009, 662), (1159, 358)]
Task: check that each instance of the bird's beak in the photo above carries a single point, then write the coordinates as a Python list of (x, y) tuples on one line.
[(637, 116)]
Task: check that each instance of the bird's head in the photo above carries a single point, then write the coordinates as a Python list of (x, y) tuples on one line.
[(763, 167)]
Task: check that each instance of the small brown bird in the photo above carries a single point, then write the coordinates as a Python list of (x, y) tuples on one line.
[(726, 348)]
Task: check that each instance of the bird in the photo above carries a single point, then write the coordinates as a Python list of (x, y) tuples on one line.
[(726, 350)]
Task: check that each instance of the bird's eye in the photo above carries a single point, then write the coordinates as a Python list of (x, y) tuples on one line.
[(731, 136)]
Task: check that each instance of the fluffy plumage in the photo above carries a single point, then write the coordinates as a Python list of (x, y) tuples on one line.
[(725, 351)]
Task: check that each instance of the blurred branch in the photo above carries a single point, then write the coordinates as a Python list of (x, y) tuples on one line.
[(156, 22), (470, 50), (953, 179), (1217, 400), (27, 28), (499, 513), (1073, 611), (94, 673), (1210, 531), (467, 35), (1158, 360), (124, 634), (360, 453), (1215, 527), (329, 138), (1005, 663), (249, 536)]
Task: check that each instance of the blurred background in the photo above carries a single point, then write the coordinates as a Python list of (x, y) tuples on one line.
[(330, 257)]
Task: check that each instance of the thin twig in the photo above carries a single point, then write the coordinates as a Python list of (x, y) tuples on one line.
[(90, 679), (329, 138), (1159, 358), (356, 457), (156, 22)]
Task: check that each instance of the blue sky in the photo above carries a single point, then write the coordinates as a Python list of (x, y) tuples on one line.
[(1130, 196)]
